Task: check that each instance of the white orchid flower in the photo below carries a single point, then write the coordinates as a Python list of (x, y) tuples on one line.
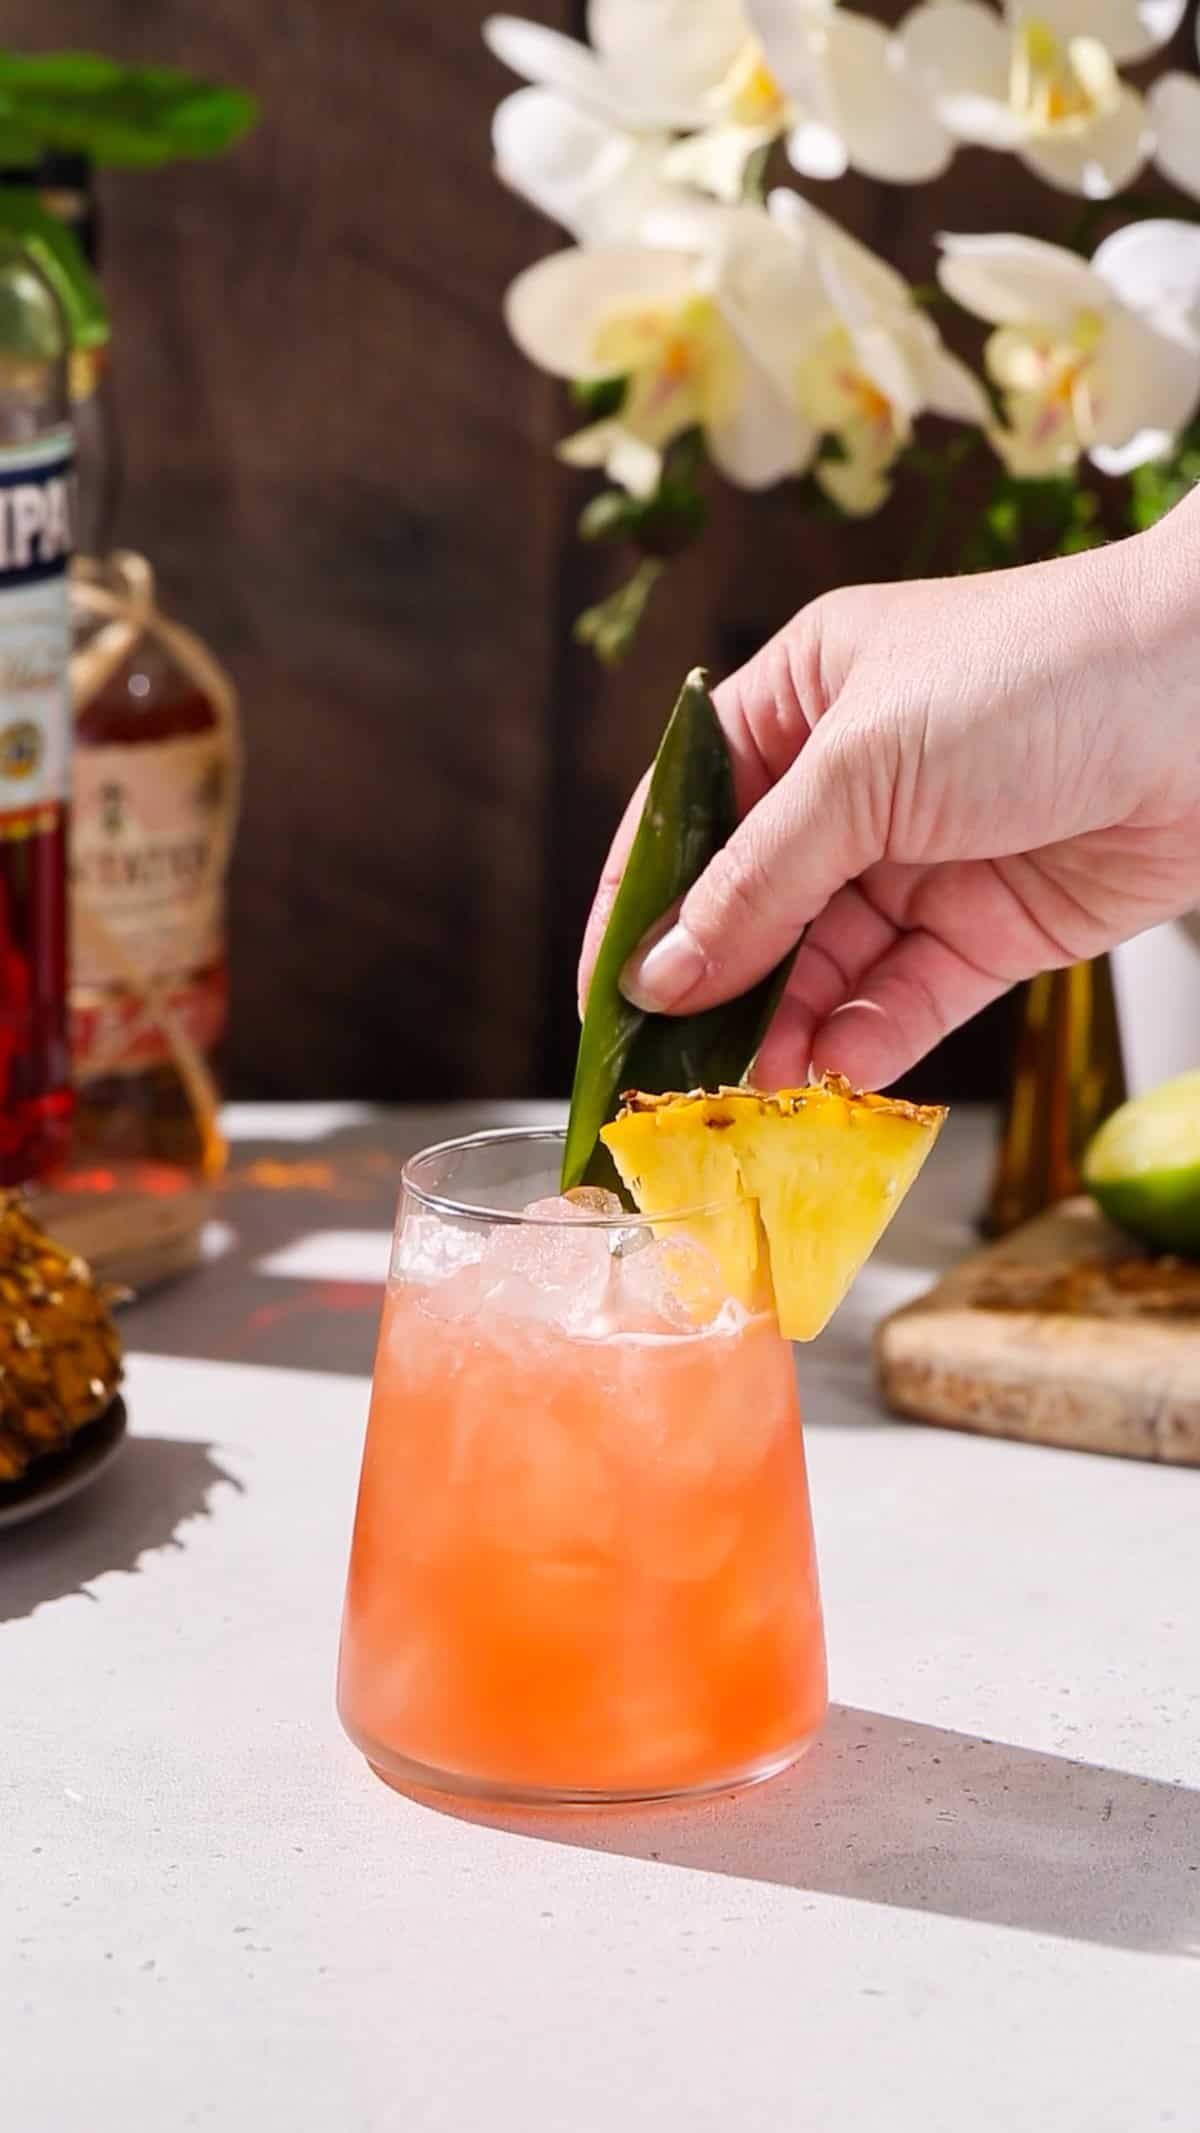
[(599, 181), (1174, 103), (1042, 80), (851, 101), (731, 75), (841, 334), (656, 316), (1102, 359)]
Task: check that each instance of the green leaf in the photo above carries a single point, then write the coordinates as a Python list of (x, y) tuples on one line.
[(20, 149), (709, 1051), (661, 524), (53, 248), (612, 625), (598, 398), (1082, 529), (1156, 487), (755, 176), (132, 116), (608, 516), (688, 815), (1004, 521)]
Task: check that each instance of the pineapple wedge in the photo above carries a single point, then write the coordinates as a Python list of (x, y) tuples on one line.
[(802, 1184)]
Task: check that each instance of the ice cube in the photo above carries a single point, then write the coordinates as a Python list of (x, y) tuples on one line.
[(671, 1286), (539, 1486), (581, 1203), (428, 1247), (696, 1542), (555, 1208), (459, 1294), (558, 1272), (593, 1201)]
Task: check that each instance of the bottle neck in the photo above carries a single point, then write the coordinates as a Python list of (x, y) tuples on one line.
[(66, 186), (34, 351)]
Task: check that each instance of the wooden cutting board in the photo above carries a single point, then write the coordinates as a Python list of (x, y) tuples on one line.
[(145, 1227), (1062, 1333)]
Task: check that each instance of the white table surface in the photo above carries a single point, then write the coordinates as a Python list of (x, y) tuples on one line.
[(976, 1905)]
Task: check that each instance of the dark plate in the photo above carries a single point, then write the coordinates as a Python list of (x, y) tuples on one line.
[(52, 1479)]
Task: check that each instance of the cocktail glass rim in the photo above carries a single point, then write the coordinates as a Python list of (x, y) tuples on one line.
[(445, 1203)]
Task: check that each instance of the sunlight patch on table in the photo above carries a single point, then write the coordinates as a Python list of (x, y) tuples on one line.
[(292, 1122), (332, 1255)]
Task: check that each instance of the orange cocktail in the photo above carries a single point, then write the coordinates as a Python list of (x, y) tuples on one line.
[(582, 1563)]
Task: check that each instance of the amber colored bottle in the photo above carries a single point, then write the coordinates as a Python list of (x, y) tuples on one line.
[(1067, 1077), (155, 770)]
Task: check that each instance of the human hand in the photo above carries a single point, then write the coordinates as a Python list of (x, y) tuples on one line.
[(953, 784)]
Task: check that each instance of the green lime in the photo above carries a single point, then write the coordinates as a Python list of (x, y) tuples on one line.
[(1143, 1167)]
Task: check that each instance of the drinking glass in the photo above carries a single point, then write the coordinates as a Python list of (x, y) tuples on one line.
[(582, 1567)]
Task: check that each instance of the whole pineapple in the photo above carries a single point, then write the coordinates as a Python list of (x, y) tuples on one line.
[(60, 1357)]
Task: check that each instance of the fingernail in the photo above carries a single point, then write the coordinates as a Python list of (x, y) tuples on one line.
[(658, 977)]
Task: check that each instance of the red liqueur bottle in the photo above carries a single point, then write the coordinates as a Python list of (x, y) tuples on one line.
[(35, 719)]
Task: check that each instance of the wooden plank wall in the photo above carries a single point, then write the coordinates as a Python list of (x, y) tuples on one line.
[(343, 473)]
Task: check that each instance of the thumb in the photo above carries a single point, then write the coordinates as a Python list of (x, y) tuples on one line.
[(821, 826)]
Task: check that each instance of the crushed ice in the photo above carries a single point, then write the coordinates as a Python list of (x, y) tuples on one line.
[(567, 1265)]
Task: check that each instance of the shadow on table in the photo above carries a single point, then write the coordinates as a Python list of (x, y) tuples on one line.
[(319, 1204), (298, 1247), (885, 1811), (141, 1504)]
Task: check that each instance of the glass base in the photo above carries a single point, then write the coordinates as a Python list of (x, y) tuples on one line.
[(418, 1779)]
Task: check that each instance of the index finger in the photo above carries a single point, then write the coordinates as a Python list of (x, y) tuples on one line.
[(606, 888)]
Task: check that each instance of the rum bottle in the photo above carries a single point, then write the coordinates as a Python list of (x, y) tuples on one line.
[(157, 768), (35, 718)]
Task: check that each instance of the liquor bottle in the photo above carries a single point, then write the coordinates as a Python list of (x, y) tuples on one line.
[(1067, 1076), (65, 187), (35, 718), (157, 768)]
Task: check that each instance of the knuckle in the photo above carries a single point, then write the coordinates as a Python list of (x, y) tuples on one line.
[(734, 898), (857, 777)]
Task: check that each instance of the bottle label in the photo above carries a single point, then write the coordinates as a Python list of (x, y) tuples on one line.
[(148, 850), (147, 854), (35, 707)]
